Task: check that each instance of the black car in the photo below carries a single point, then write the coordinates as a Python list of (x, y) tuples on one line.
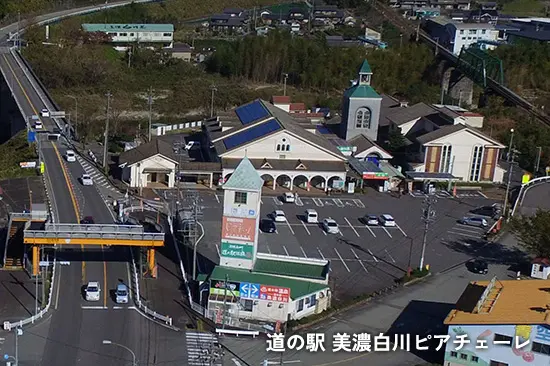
[(267, 226), (88, 220), (479, 266), (493, 212)]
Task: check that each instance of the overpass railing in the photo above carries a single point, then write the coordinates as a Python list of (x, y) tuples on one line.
[(525, 187)]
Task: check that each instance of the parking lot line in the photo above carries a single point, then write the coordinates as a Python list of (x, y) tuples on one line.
[(359, 203), (351, 226), (321, 253), (342, 259), (359, 260), (402, 232), (324, 231), (466, 235), (217, 198), (468, 230), (340, 232), (338, 202), (286, 251), (305, 227), (290, 227), (318, 202), (389, 255), (218, 250), (303, 252), (372, 254), (268, 248), (299, 201), (387, 232), (369, 229), (276, 201)]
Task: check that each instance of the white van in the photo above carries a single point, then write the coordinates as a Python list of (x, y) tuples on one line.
[(311, 216), (70, 156)]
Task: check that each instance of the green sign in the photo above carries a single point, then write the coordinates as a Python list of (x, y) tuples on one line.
[(345, 148), (234, 250)]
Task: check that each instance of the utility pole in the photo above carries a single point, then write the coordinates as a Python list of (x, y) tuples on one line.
[(17, 41), (225, 300), (150, 102), (130, 52), (285, 76), (190, 222), (510, 173), (537, 162), (510, 145), (213, 89), (428, 214), (106, 137)]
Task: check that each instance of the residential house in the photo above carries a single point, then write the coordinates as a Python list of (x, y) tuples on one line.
[(234, 12), (509, 317), (489, 5), (484, 16), (182, 51), (227, 23), (328, 14)]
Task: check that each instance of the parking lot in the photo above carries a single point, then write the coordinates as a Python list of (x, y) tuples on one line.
[(363, 258)]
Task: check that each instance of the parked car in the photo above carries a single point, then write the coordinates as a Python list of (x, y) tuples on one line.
[(289, 197), (386, 220), (45, 113), (268, 226), (87, 180), (93, 291), (331, 226), (474, 221), (371, 220), (88, 220), (121, 294), (311, 216), (70, 156), (479, 266), (278, 216)]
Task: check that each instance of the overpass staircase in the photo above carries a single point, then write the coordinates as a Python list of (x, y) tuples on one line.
[(14, 248)]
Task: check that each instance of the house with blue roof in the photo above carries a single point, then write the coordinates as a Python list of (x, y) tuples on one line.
[(123, 35)]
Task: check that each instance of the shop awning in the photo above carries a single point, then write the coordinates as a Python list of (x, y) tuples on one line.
[(391, 170), (367, 169), (431, 177), (157, 170)]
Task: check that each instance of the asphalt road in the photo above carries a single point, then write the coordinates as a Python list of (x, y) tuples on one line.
[(76, 327), (363, 259), (537, 197)]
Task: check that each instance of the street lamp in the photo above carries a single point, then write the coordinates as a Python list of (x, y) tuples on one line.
[(510, 145), (214, 89), (285, 77), (195, 251), (409, 269), (108, 342), (75, 112)]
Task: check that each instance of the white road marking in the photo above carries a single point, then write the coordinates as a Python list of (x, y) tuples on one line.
[(303, 252), (402, 232), (338, 202), (479, 192), (276, 231), (276, 201), (340, 232), (268, 249), (324, 231), (351, 226), (58, 287), (321, 253), (387, 232), (369, 229), (468, 230), (217, 198), (94, 307), (466, 235), (359, 203), (344, 263), (305, 227), (389, 255), (290, 227), (236, 362), (357, 257), (372, 254), (218, 250), (318, 202), (286, 251), (261, 202), (299, 201)]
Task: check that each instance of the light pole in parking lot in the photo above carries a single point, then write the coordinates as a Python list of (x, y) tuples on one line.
[(108, 342), (428, 214), (409, 269)]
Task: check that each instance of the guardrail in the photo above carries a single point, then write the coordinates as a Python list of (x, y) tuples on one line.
[(253, 333), (90, 228), (525, 187), (9, 325), (41, 234)]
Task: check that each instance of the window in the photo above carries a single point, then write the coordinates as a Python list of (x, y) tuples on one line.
[(463, 356), (167, 34), (363, 118), (446, 160), (240, 198), (283, 145), (454, 354), (475, 359), (462, 31), (300, 305), (472, 31), (312, 301), (540, 348), (477, 159), (247, 305), (503, 340), (123, 34), (132, 34), (496, 363), (483, 31)]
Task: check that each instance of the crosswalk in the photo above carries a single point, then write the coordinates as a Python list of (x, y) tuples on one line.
[(203, 349), (97, 177)]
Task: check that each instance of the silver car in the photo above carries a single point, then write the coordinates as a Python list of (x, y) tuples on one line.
[(474, 221), (331, 226)]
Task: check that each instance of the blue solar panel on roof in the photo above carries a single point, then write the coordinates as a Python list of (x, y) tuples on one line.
[(323, 130), (252, 112), (251, 134)]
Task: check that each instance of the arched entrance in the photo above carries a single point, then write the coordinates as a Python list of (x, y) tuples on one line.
[(373, 155), (268, 180), (301, 182), (317, 182), (284, 181), (331, 181)]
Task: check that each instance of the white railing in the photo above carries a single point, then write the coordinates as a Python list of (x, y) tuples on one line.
[(164, 129), (182, 268), (9, 326), (525, 187), (253, 333)]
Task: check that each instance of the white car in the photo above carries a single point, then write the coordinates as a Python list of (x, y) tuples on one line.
[(93, 291), (289, 197), (70, 156), (87, 180), (371, 220), (278, 216), (331, 226), (38, 125), (386, 220), (45, 113)]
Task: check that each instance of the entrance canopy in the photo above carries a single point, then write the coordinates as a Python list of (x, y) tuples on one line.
[(367, 169), (432, 177), (156, 170)]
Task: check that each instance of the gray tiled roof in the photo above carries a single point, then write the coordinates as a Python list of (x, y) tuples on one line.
[(362, 143), (276, 164), (440, 132), (146, 151), (245, 177), (410, 113)]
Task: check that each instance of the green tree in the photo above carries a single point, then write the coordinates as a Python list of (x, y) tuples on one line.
[(533, 232), (395, 140)]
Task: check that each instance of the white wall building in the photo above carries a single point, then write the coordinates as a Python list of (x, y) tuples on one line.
[(149, 165), (466, 34), (135, 33)]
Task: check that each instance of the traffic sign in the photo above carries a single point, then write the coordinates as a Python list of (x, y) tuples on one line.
[(250, 290), (31, 136)]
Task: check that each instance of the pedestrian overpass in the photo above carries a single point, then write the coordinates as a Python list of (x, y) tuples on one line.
[(53, 234)]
